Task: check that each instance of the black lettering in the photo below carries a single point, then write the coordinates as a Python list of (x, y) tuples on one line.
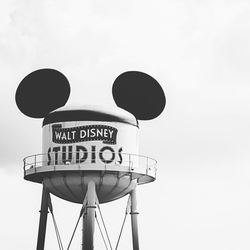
[(93, 154), (69, 159), (85, 154), (56, 149), (120, 155), (49, 157), (112, 154)]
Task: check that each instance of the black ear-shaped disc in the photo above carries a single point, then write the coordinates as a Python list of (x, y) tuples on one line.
[(41, 92), (139, 94)]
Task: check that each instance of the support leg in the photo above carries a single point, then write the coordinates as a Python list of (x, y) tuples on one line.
[(43, 219), (89, 218), (134, 223)]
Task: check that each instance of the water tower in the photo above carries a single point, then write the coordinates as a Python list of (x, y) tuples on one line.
[(89, 153)]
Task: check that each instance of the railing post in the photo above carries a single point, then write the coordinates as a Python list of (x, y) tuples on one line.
[(24, 165), (129, 160)]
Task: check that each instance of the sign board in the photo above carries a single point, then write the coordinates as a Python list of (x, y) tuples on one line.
[(90, 142)]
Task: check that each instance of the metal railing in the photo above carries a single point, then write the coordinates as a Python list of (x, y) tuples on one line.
[(132, 161)]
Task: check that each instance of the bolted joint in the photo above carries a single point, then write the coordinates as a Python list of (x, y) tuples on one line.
[(90, 206), (134, 212)]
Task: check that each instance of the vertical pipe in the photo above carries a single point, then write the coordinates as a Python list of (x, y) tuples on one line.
[(89, 218), (134, 223), (43, 219)]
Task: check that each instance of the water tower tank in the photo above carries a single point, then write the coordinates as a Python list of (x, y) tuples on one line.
[(90, 143), (89, 153)]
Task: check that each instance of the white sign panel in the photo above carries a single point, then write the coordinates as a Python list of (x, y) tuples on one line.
[(91, 142)]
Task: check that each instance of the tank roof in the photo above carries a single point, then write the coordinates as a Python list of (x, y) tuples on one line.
[(90, 113)]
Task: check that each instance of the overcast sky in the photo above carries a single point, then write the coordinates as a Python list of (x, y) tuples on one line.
[(199, 52)]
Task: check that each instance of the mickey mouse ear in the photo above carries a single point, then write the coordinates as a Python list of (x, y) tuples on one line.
[(139, 94), (42, 91)]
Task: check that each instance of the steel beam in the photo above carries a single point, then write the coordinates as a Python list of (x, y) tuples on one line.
[(134, 222), (43, 219), (89, 218)]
